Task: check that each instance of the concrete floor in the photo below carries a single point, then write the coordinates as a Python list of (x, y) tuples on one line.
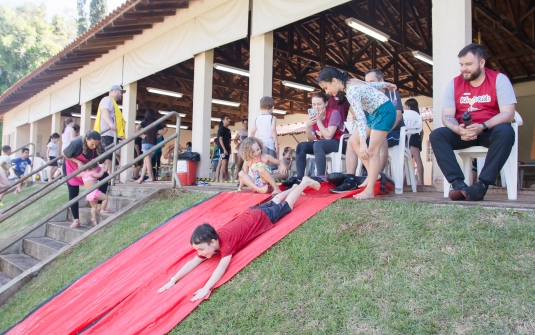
[(495, 198)]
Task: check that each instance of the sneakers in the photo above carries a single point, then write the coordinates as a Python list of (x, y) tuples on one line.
[(475, 192), (457, 188), (349, 184), (336, 178)]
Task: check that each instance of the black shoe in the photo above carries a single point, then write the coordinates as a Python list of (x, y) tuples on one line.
[(348, 186), (318, 179), (288, 183), (456, 192), (475, 192), (336, 178), (384, 180)]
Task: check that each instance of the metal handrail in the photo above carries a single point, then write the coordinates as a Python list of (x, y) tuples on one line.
[(60, 182), (31, 195)]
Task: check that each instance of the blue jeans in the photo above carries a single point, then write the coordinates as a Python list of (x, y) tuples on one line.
[(319, 149)]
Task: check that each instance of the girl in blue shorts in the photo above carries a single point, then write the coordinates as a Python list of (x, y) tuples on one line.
[(371, 108)]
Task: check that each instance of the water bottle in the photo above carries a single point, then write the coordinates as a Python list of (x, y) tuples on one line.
[(467, 119)]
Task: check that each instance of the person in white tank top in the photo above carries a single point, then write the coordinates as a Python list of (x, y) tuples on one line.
[(265, 128)]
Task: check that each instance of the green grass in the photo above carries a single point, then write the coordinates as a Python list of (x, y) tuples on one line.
[(96, 249), (32, 213), (355, 268)]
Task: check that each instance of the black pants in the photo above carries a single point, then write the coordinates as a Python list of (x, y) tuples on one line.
[(75, 190), (319, 149), (499, 140), (156, 163)]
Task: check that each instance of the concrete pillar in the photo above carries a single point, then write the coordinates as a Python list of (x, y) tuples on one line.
[(22, 137), (202, 109), (452, 26), (33, 137), (129, 115), (85, 119), (56, 126), (261, 72)]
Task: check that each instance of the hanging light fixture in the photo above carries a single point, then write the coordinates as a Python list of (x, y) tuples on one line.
[(164, 92), (231, 69), (278, 111), (216, 119), (367, 29), (167, 112), (299, 86), (226, 103), (423, 57)]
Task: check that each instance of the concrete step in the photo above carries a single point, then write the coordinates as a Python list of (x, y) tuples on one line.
[(4, 279), (62, 232), (85, 216), (13, 265), (130, 191), (41, 247), (118, 203)]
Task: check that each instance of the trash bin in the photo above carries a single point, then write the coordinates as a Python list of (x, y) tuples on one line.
[(186, 168)]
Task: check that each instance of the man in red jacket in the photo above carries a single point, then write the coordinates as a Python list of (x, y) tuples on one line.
[(489, 99)]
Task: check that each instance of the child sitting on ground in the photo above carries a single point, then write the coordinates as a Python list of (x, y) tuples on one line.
[(235, 235), (90, 178), (287, 157), (262, 180), (19, 166)]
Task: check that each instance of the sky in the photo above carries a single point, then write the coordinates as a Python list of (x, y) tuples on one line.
[(62, 7)]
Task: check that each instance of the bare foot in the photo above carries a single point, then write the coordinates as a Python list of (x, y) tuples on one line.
[(139, 181), (311, 183), (276, 191), (75, 224), (262, 189), (94, 222), (365, 182), (364, 196)]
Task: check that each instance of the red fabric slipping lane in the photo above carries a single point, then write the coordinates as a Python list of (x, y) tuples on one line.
[(148, 263), (146, 312)]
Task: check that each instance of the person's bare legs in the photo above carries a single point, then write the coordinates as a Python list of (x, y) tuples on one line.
[(383, 156), (223, 173), (376, 141), (269, 178), (4, 184), (415, 152), (351, 160), (354, 143), (239, 167), (93, 212), (246, 179), (291, 195)]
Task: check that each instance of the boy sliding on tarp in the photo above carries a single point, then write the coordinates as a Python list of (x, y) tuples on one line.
[(235, 235)]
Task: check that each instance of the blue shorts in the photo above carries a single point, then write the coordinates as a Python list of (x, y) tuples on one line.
[(383, 118), (51, 158), (274, 211), (146, 146)]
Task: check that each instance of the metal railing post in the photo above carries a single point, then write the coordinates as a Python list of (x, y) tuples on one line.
[(174, 173), (113, 157)]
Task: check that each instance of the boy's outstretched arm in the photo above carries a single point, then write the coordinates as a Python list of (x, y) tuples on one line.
[(218, 273), (181, 273)]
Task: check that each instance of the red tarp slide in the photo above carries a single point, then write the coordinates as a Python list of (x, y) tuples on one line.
[(119, 296)]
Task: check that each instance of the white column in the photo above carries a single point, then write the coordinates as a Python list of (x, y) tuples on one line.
[(56, 123), (129, 115), (202, 109), (85, 119), (21, 137), (452, 26), (261, 72), (33, 137)]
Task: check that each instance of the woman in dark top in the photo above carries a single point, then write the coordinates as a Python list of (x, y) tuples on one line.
[(223, 143), (148, 141), (80, 151)]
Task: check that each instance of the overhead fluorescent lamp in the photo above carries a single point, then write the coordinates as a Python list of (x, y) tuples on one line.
[(94, 117), (226, 103), (231, 69), (167, 112), (423, 57), (164, 92), (137, 122), (299, 86), (120, 106), (278, 111), (183, 127), (215, 119), (76, 115), (366, 29)]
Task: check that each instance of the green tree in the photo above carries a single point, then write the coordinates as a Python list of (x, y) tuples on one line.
[(82, 21), (27, 40), (97, 11)]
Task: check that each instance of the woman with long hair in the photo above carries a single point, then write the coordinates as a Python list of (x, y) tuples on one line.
[(149, 139), (68, 133)]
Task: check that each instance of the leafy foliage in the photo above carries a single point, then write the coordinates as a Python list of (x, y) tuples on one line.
[(27, 40), (97, 11), (82, 21)]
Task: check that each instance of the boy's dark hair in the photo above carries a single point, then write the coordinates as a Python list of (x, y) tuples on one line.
[(267, 103), (204, 233), (477, 49), (76, 127), (412, 104), (25, 149), (6, 148), (378, 73), (222, 118), (328, 73), (188, 144)]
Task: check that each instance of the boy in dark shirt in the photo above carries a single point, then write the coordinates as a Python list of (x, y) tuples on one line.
[(19, 166), (235, 235)]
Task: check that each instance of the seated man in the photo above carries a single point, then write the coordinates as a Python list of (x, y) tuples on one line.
[(392, 139), (235, 235), (489, 99)]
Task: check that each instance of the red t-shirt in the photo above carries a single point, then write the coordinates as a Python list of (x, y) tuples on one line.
[(481, 101), (238, 233)]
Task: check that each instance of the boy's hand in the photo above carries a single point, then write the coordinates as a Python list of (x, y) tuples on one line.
[(166, 286), (203, 292)]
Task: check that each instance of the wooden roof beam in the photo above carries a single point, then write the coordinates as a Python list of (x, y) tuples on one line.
[(118, 34), (145, 20), (111, 29), (145, 14), (160, 6)]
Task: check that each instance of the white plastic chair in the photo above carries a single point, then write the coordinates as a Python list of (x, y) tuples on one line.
[(334, 159), (509, 172)]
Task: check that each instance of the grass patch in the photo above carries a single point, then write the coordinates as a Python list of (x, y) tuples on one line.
[(385, 268), (96, 249), (33, 212)]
